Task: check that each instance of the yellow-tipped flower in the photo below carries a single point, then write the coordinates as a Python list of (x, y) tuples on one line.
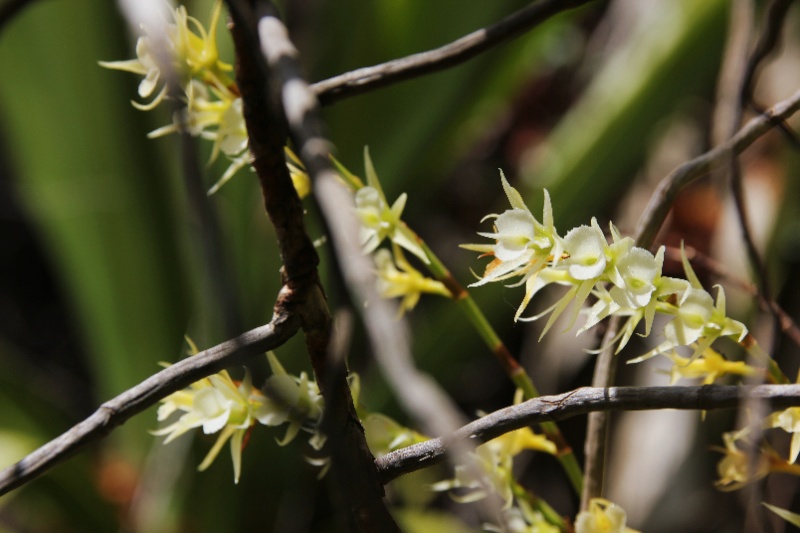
[(215, 403), (495, 460), (220, 404), (735, 469), (397, 278), (379, 221), (193, 54), (710, 366)]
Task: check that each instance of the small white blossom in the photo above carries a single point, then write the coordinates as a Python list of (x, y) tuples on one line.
[(586, 247), (789, 421), (215, 403), (379, 221)]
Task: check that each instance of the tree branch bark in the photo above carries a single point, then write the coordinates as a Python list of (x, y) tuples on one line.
[(261, 82), (135, 400), (582, 401), (452, 54), (664, 196)]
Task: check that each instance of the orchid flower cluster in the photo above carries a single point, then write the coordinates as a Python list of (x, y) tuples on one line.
[(213, 106), (381, 221), (220, 404), (495, 460), (494, 477), (492, 474), (741, 465), (625, 280), (738, 466)]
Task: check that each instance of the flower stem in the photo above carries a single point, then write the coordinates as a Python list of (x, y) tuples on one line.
[(776, 375), (515, 372), (537, 503)]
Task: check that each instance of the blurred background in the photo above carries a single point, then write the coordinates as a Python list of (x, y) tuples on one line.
[(102, 268)]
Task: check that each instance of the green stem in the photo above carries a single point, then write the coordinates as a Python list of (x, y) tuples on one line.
[(535, 502), (754, 349), (515, 372)]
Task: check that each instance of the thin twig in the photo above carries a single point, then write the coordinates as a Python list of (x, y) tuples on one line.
[(135, 400), (596, 442), (370, 78), (662, 199), (648, 226), (579, 402), (730, 111), (768, 41)]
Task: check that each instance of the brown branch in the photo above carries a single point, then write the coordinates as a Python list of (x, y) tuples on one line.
[(452, 54), (661, 201), (358, 486), (767, 43), (417, 392), (135, 400), (579, 402)]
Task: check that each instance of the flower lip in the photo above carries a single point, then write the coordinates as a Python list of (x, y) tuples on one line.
[(514, 232), (586, 247)]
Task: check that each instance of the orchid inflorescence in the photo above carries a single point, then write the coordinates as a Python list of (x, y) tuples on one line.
[(625, 280), (182, 62), (213, 106), (220, 404)]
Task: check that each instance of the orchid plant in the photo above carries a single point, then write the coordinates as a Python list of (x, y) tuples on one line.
[(618, 277), (213, 106), (625, 280)]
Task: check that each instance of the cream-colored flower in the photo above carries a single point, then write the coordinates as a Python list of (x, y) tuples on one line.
[(495, 460), (523, 246), (215, 403), (586, 246), (379, 221), (734, 469), (220, 404), (602, 516)]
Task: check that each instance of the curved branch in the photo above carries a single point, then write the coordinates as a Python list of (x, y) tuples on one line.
[(662, 199), (369, 78), (147, 393), (579, 402)]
